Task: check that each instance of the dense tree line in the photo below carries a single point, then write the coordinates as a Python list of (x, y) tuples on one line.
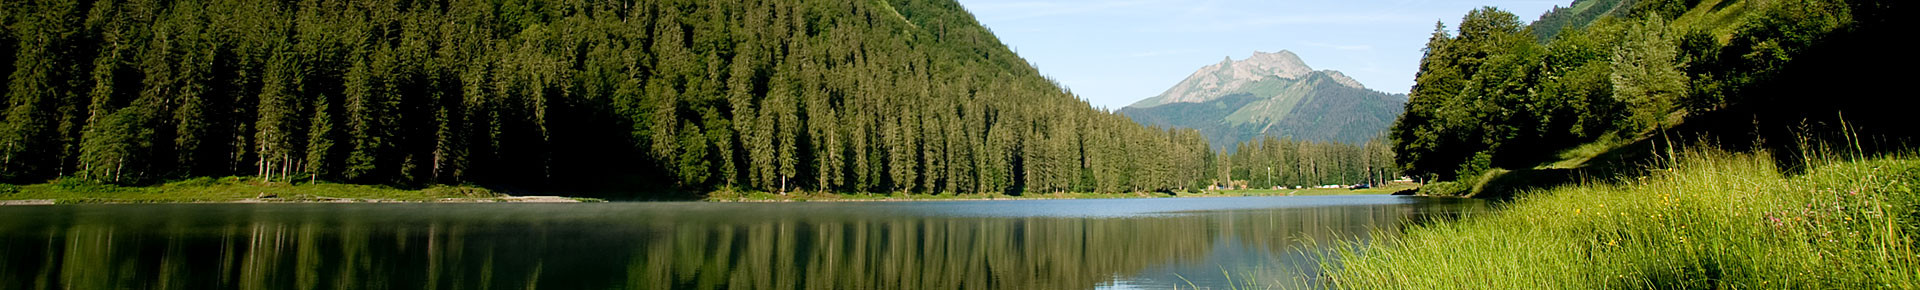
[(1284, 162), (879, 96), (1498, 93)]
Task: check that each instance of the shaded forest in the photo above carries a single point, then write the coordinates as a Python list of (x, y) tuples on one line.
[(1742, 75), (586, 96)]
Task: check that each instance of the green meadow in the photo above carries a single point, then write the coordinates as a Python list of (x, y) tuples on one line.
[(1710, 219)]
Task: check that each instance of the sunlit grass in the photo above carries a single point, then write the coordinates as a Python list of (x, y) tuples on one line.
[(1714, 220), (1579, 155)]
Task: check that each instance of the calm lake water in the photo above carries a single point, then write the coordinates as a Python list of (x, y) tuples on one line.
[(1035, 244)]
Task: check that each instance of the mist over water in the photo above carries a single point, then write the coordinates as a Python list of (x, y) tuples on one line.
[(1037, 244)]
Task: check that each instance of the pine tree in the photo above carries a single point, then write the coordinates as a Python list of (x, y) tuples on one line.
[(672, 67), (824, 133), (34, 88), (786, 137), (113, 148), (189, 89), (279, 111), (740, 88), (361, 109), (693, 155), (320, 140)]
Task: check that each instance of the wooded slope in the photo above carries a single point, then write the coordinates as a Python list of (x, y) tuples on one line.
[(861, 95), (1748, 74)]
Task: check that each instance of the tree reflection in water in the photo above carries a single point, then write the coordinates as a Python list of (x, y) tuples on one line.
[(642, 246)]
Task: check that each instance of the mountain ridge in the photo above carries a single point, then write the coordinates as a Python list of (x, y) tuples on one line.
[(1225, 77), (1274, 94)]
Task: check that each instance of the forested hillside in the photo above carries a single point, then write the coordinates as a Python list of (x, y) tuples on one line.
[(1743, 74), (860, 95), (1576, 16)]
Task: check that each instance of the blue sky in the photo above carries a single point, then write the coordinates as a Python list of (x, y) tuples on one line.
[(1115, 52)]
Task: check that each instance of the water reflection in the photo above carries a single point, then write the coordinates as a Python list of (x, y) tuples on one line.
[(935, 245)]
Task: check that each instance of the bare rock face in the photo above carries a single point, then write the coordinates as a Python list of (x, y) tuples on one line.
[(1230, 77), (1283, 64)]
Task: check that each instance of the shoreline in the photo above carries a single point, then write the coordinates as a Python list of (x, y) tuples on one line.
[(252, 190), (911, 199), (500, 199), (730, 196), (243, 190), (565, 199)]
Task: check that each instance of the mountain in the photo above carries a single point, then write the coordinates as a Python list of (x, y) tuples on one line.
[(1270, 94)]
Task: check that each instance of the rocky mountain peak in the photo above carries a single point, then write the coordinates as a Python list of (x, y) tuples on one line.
[(1282, 64), (1270, 94), (1228, 76)]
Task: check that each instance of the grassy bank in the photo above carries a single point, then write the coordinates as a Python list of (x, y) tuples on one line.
[(1715, 220), (756, 196), (761, 196), (241, 189), (1389, 188)]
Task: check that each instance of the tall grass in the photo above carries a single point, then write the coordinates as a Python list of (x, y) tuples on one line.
[(1712, 219)]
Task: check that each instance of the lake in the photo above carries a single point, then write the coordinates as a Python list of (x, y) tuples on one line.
[(1023, 244)]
